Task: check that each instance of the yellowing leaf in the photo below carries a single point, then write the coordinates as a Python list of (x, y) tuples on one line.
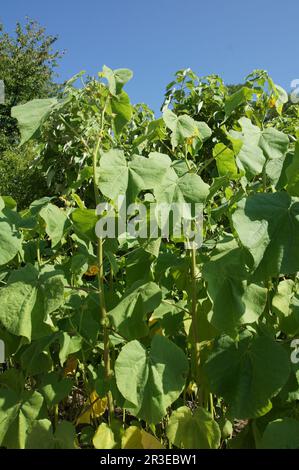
[(135, 438), (192, 388), (150, 442), (155, 328), (92, 271), (104, 437), (96, 407), (272, 102), (158, 331), (85, 418), (131, 438), (65, 201), (70, 366)]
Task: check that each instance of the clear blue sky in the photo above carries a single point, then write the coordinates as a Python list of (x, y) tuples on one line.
[(157, 37)]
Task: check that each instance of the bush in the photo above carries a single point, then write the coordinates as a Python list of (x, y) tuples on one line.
[(20, 177)]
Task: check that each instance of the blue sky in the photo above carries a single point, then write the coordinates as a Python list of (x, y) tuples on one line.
[(155, 38)]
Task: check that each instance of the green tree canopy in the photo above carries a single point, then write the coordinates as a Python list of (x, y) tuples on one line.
[(27, 67)]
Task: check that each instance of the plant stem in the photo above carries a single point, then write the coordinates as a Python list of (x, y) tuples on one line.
[(75, 133), (211, 405), (176, 306), (103, 313), (104, 321), (38, 252), (206, 164), (264, 180), (56, 416), (196, 341), (186, 158)]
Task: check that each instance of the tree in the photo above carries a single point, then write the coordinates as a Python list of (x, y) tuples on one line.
[(27, 64), (27, 67)]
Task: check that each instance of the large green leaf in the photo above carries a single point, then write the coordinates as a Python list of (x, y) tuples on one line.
[(121, 107), (268, 226), (236, 300), (56, 222), (10, 239), (41, 435), (250, 157), (68, 345), (247, 373), (260, 149), (84, 221), (138, 266), (184, 127), (28, 299), (292, 172), (225, 160), (129, 316), (285, 305), (13, 379), (30, 116), (54, 388), (36, 358), (17, 414), (116, 79), (119, 177), (151, 380), (193, 431), (281, 434), (169, 316), (233, 101), (113, 180), (189, 188), (275, 145)]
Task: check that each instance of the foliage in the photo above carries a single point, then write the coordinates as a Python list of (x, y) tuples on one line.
[(20, 178), (148, 342), (27, 67)]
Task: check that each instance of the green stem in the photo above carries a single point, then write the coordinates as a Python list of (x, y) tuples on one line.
[(103, 313), (195, 331), (38, 252), (75, 133), (211, 405), (176, 306), (210, 160), (56, 413), (206, 164), (186, 158), (104, 320), (264, 179)]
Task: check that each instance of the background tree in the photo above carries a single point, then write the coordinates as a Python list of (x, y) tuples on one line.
[(27, 67)]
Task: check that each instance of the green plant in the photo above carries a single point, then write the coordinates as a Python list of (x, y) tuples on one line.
[(131, 342), (27, 68)]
